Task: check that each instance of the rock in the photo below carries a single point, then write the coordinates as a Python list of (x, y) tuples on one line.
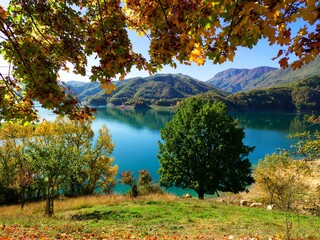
[(270, 207), (243, 203), (188, 196), (256, 204)]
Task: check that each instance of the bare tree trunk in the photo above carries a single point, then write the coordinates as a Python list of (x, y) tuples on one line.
[(50, 198), (200, 194), (22, 197)]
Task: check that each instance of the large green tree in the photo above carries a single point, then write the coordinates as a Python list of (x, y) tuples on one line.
[(202, 149), (39, 38)]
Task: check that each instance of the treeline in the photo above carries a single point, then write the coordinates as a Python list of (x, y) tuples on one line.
[(39, 162), (302, 96)]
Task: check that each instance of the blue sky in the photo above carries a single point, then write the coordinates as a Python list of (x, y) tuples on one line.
[(260, 55)]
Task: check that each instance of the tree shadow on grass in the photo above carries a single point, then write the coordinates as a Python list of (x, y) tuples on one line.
[(105, 215)]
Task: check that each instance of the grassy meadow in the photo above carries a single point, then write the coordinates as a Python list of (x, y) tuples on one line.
[(152, 217)]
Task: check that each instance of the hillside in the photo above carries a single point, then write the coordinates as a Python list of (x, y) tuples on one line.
[(300, 96), (237, 80), (234, 80), (285, 76), (159, 89), (83, 90)]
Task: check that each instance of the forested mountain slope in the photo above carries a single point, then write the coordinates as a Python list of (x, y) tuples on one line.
[(300, 96), (237, 80), (234, 80), (285, 76), (159, 89)]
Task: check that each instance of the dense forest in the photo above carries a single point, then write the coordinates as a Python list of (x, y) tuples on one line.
[(302, 96)]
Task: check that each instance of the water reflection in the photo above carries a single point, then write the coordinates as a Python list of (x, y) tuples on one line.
[(140, 118), (280, 122)]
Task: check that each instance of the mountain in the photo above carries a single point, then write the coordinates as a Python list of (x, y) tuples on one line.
[(83, 89), (235, 80), (159, 89), (300, 96), (283, 76)]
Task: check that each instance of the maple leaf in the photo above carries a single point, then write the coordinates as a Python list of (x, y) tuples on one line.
[(108, 86), (197, 55), (296, 65), (284, 62)]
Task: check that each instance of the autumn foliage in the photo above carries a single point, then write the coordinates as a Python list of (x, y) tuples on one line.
[(54, 158), (41, 37)]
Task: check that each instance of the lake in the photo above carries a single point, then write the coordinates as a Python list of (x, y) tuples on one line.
[(136, 133)]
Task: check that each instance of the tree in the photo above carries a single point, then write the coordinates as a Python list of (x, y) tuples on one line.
[(142, 186), (202, 149), (308, 144), (146, 185), (52, 159), (41, 37), (79, 135), (307, 147), (97, 170), (15, 170), (127, 178), (8, 168), (62, 156), (281, 177)]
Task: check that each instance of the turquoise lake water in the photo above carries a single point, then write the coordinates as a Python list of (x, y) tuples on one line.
[(136, 133)]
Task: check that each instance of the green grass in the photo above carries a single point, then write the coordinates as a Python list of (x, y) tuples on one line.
[(152, 217)]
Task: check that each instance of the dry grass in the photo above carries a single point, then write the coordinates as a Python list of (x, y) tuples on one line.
[(258, 194), (149, 217), (34, 211)]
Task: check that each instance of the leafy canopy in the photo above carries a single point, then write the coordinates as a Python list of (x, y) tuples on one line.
[(202, 149), (51, 158), (40, 37)]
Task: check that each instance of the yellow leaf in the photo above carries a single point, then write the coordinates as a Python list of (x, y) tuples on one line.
[(108, 86), (201, 61), (197, 55), (276, 14), (303, 31)]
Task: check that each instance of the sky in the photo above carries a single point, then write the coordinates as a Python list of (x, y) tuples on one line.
[(260, 55)]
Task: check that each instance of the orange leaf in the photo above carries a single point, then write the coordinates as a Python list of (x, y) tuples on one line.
[(279, 54), (284, 62)]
